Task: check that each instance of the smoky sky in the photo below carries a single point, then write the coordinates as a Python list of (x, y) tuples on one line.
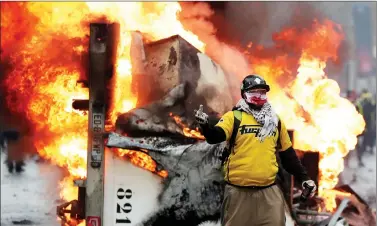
[(241, 23)]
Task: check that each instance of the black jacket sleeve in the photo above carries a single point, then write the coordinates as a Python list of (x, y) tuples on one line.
[(213, 134), (293, 165)]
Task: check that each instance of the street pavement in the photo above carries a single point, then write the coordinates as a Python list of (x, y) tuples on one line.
[(30, 198)]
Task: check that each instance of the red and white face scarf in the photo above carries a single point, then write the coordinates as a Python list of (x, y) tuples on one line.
[(265, 116), (256, 97)]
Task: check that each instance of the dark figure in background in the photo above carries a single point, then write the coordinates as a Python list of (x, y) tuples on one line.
[(352, 96), (11, 142), (366, 105)]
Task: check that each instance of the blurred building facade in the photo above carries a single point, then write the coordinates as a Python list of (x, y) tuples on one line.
[(363, 37)]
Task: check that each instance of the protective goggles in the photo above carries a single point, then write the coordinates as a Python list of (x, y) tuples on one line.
[(256, 92)]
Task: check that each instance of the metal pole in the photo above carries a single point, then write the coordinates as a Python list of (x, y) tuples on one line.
[(102, 46), (311, 212), (338, 212)]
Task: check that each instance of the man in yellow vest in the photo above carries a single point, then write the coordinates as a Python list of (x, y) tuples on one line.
[(251, 196)]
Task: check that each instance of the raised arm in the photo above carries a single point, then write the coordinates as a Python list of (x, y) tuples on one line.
[(215, 133)]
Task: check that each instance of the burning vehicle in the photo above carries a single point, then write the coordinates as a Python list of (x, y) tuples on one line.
[(142, 88)]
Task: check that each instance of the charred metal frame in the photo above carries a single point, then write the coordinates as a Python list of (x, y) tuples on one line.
[(102, 56)]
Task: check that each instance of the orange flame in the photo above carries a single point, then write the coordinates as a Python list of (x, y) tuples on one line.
[(46, 58), (147, 18), (48, 66), (186, 130), (143, 160)]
